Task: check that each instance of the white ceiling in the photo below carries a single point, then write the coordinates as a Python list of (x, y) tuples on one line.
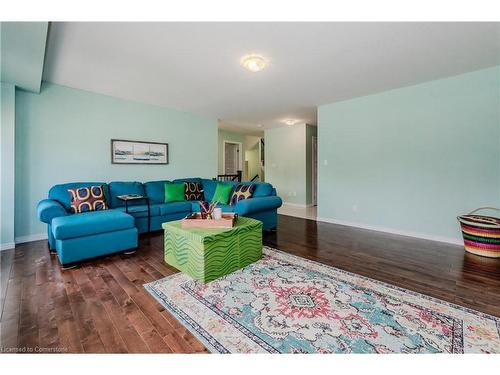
[(195, 66)]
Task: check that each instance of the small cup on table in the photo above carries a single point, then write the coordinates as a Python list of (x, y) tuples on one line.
[(217, 213)]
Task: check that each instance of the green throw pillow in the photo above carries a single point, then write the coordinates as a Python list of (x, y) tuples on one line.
[(174, 192), (222, 193)]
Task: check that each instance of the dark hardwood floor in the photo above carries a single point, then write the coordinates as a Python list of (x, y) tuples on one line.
[(102, 307)]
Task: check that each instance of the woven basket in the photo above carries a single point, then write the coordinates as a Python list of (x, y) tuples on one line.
[(481, 233)]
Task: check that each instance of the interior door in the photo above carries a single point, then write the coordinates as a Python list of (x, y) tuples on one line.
[(231, 158)]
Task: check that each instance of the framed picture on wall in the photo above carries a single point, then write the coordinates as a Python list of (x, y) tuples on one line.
[(138, 152)]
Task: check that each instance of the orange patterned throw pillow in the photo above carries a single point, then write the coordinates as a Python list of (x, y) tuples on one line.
[(242, 192), (85, 199)]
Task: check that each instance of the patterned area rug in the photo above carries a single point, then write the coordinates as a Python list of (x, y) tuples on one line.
[(287, 304)]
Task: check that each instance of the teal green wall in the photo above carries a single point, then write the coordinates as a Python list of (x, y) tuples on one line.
[(412, 159), (228, 136), (64, 134), (285, 162), (23, 53), (7, 133)]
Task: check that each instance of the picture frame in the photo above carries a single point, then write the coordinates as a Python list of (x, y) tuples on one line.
[(138, 152)]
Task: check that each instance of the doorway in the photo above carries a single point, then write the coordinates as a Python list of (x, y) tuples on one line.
[(232, 161)]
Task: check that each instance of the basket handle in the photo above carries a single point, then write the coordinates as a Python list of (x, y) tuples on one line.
[(483, 208)]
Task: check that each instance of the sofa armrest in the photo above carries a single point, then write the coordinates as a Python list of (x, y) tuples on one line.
[(48, 209), (249, 206)]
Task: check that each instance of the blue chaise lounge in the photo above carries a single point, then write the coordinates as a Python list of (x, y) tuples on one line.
[(75, 237)]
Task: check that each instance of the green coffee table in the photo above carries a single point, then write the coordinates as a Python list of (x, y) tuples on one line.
[(206, 254)]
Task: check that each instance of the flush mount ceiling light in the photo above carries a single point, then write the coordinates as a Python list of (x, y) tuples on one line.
[(291, 121), (260, 125), (254, 63)]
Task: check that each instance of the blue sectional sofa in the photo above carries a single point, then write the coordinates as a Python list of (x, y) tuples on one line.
[(76, 237)]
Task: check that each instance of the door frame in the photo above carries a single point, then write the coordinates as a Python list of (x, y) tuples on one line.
[(314, 177), (240, 155)]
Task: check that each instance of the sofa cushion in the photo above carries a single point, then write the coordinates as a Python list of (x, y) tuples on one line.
[(242, 192), (195, 206), (89, 223), (60, 192), (262, 189), (155, 190), (187, 179), (226, 207), (208, 188), (175, 207), (122, 188), (90, 198), (142, 210), (193, 191)]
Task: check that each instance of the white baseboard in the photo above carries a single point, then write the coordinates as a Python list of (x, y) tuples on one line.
[(43, 236), (423, 236), (23, 239), (7, 246), (297, 205), (31, 238)]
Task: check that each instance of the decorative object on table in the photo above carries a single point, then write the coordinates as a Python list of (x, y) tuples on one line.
[(242, 192), (222, 193), (127, 197), (258, 309), (196, 220), (138, 152), (85, 199), (209, 253), (207, 209), (217, 213), (135, 198), (174, 192), (481, 233), (193, 191)]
